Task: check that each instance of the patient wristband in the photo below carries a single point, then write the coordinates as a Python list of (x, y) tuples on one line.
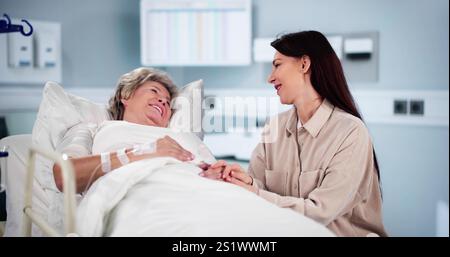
[(122, 156), (106, 162)]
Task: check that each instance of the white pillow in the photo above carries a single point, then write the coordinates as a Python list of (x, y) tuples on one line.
[(59, 111)]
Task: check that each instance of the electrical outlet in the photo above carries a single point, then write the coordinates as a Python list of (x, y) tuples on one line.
[(417, 107), (400, 106)]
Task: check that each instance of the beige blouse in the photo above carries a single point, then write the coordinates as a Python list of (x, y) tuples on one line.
[(323, 170)]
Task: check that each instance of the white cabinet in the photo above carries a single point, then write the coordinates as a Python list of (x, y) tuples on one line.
[(31, 59), (20, 51), (196, 32)]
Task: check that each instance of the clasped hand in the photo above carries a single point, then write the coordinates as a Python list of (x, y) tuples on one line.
[(231, 173), (221, 170)]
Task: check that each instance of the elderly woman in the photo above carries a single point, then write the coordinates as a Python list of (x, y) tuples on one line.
[(142, 97)]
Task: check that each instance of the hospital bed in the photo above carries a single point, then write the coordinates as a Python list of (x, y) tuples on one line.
[(28, 196), (29, 201), (28, 204)]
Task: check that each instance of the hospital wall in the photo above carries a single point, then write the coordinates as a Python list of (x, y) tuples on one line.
[(100, 41)]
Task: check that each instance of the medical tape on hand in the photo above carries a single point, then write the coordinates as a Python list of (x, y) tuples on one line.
[(106, 162), (144, 148), (122, 156)]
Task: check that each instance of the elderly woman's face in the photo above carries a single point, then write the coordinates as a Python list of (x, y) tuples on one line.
[(149, 105)]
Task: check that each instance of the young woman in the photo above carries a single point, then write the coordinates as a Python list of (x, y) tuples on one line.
[(322, 163)]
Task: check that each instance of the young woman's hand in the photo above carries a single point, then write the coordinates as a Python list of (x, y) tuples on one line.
[(235, 174), (168, 147)]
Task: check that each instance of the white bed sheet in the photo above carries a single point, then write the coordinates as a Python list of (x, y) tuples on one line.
[(164, 197)]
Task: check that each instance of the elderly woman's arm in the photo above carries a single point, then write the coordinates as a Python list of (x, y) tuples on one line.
[(89, 168)]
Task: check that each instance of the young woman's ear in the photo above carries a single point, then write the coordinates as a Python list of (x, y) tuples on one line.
[(305, 63), (124, 102)]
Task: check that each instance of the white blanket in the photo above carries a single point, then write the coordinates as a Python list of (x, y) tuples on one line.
[(165, 197)]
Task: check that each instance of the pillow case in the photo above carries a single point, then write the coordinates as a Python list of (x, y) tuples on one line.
[(59, 111)]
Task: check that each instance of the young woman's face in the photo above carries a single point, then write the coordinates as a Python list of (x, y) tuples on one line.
[(287, 77), (149, 105)]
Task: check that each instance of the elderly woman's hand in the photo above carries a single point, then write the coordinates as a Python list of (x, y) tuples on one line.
[(213, 171), (167, 147)]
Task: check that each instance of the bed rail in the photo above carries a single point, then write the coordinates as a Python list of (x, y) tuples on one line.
[(30, 215)]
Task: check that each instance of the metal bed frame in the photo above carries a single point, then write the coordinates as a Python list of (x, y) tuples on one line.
[(29, 215)]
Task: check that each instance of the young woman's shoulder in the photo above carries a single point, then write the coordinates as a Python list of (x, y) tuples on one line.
[(349, 123)]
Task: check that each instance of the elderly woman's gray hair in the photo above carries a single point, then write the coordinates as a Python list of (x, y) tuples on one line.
[(131, 81)]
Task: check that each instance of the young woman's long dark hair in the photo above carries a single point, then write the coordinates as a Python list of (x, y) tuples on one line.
[(327, 75)]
